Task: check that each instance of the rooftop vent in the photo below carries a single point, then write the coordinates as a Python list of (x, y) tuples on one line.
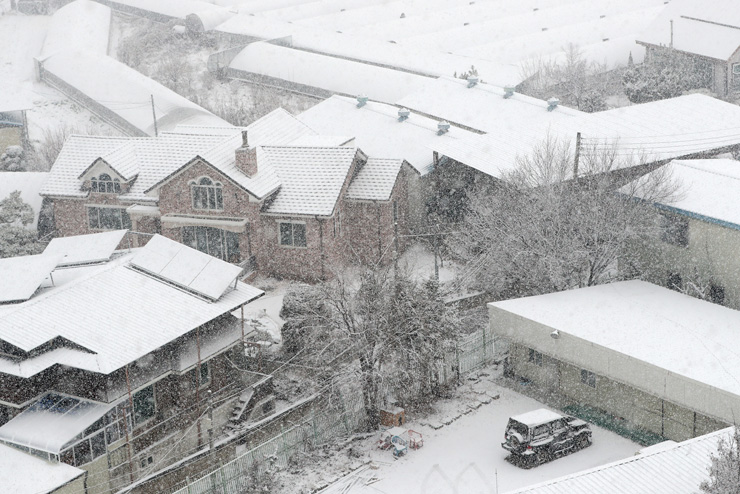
[(472, 81), (361, 101), (508, 92), (443, 127), (552, 103), (403, 16), (403, 114)]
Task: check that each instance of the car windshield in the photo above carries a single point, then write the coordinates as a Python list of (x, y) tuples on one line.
[(515, 426)]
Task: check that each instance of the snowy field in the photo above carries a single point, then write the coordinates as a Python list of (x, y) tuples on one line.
[(466, 457)]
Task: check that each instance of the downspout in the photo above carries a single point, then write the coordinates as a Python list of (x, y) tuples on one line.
[(321, 246), (380, 233)]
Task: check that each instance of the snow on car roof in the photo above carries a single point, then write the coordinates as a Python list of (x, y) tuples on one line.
[(537, 417)]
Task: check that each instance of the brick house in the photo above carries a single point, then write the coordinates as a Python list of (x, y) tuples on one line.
[(85, 381), (274, 195)]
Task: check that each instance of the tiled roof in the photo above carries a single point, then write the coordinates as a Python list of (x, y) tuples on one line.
[(311, 177), (156, 158), (376, 180), (676, 470)]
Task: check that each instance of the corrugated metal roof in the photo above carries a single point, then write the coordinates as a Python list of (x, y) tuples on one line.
[(678, 470), (378, 131), (644, 133), (111, 312), (311, 177), (52, 422), (375, 181)]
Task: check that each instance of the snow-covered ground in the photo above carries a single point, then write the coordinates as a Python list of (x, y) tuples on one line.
[(466, 457)]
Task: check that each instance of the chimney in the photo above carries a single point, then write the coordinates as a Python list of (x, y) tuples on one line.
[(552, 103), (246, 158)]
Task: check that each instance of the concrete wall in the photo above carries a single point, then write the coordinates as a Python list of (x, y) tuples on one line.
[(642, 393), (711, 256), (77, 486), (10, 136)]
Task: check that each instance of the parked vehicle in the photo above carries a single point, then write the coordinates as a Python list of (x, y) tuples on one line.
[(542, 435)]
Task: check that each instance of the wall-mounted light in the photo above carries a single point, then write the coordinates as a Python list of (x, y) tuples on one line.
[(555, 334)]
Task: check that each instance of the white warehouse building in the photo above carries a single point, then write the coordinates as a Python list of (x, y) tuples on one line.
[(661, 360)]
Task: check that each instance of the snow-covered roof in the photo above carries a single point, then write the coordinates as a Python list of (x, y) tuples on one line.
[(23, 473), (126, 92), (376, 180), (52, 422), (710, 29), (158, 157), (537, 417), (640, 320), (709, 189), (378, 131), (85, 249), (311, 177), (186, 267), (23, 275), (79, 25), (676, 470), (134, 303), (373, 50), (483, 107), (649, 132), (29, 184), (333, 74), (178, 9)]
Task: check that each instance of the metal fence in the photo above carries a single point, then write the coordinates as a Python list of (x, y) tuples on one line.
[(471, 353)]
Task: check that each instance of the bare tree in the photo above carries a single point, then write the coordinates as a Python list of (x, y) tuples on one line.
[(577, 82), (380, 332), (724, 471), (540, 230)]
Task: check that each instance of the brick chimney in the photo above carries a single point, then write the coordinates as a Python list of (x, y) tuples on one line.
[(246, 158)]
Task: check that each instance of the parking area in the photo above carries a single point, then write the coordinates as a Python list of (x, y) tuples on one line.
[(465, 457)]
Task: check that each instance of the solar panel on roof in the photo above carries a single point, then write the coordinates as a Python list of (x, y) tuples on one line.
[(21, 276), (185, 267), (85, 249)]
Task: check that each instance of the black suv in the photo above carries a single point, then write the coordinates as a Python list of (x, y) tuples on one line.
[(541, 435)]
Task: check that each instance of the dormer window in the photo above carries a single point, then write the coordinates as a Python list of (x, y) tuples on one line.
[(104, 184), (207, 194)]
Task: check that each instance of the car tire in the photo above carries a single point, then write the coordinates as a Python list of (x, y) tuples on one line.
[(584, 441)]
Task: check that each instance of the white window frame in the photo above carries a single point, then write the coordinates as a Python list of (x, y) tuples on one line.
[(216, 189), (115, 184), (292, 246)]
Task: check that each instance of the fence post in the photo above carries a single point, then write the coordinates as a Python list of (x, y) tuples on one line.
[(187, 482), (484, 346), (223, 481)]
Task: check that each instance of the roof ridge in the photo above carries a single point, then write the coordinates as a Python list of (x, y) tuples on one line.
[(694, 167)]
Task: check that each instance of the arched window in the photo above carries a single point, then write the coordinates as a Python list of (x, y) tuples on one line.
[(105, 184), (207, 194)]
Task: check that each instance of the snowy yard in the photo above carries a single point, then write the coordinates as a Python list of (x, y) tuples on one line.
[(466, 457)]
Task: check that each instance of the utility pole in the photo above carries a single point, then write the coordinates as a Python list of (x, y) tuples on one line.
[(578, 155), (154, 115), (210, 422)]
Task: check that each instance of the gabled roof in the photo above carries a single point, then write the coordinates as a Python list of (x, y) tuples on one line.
[(376, 180), (311, 177), (378, 130), (710, 29), (708, 189), (134, 303), (676, 470)]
